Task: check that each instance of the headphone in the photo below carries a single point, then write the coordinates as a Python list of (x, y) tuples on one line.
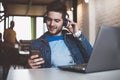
[(65, 21)]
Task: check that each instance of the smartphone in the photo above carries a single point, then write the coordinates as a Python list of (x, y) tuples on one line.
[(35, 52)]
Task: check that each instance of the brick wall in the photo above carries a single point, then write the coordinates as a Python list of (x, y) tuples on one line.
[(107, 13), (104, 12)]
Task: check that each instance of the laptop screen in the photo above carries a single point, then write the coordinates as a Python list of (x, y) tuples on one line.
[(106, 50)]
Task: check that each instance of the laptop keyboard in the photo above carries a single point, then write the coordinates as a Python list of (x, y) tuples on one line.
[(77, 68)]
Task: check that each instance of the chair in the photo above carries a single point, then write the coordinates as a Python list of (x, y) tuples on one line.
[(10, 56)]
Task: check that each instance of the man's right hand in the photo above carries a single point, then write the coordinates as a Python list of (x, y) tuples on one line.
[(35, 61)]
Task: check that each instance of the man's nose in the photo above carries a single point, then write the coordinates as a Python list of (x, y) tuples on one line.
[(52, 23)]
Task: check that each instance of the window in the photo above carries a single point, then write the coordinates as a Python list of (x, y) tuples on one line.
[(22, 28), (41, 27)]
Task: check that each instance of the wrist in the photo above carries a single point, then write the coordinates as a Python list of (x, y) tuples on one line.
[(77, 34)]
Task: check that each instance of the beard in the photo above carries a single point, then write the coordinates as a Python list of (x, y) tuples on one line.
[(55, 32)]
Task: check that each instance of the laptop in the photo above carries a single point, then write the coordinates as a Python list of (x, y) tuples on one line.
[(105, 55)]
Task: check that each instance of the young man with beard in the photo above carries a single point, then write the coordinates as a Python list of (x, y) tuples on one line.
[(59, 47)]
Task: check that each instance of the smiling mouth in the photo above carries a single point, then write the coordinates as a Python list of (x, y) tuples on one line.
[(51, 29)]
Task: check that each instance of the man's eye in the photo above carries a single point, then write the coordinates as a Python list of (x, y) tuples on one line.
[(57, 20)]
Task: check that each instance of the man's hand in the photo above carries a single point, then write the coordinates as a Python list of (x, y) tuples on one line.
[(35, 61), (72, 26)]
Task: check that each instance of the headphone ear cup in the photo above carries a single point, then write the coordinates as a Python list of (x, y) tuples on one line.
[(44, 19), (65, 22)]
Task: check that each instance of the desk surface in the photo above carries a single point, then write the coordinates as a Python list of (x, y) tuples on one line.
[(56, 74)]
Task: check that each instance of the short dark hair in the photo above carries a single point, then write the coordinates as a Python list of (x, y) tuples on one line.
[(57, 6)]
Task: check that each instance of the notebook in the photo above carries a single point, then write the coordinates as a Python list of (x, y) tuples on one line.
[(105, 55)]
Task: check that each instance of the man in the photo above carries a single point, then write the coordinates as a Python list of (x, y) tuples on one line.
[(57, 46), (10, 36)]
